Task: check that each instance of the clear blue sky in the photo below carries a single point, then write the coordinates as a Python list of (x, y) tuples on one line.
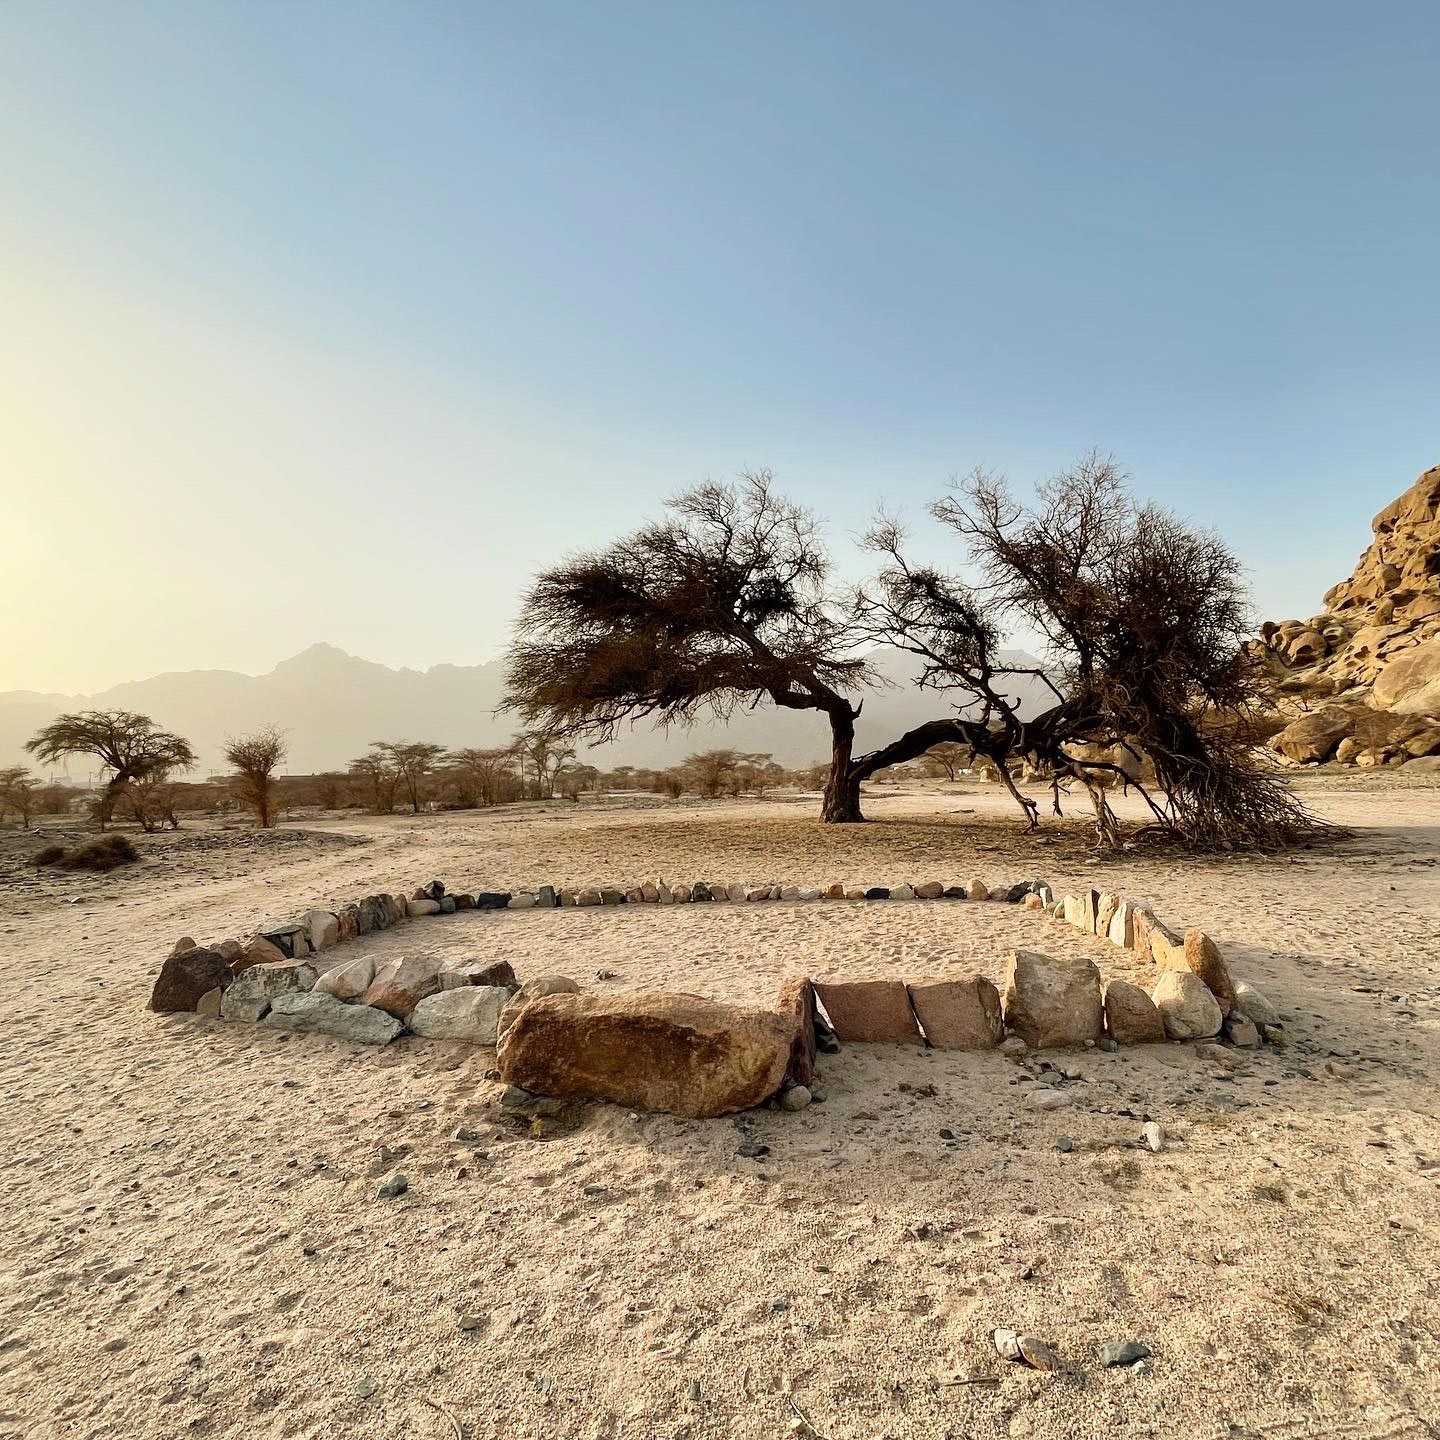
[(335, 321)]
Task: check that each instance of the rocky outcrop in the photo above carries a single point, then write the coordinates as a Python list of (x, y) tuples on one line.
[(1359, 683), (677, 1053)]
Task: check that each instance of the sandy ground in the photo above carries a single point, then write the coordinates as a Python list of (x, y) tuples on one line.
[(192, 1242)]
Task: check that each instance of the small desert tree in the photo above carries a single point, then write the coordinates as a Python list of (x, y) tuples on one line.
[(712, 770), (131, 747), (255, 759), (410, 761), (377, 775), (486, 772), (18, 794)]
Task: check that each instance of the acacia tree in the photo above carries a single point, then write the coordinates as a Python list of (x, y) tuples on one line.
[(410, 761), (255, 759), (712, 769), (724, 604), (18, 789), (131, 747), (378, 775), (488, 773), (1145, 619)]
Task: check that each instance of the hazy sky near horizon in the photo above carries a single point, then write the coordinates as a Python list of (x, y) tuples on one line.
[(335, 321)]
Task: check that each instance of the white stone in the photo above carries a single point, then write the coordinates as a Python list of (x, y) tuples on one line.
[(523, 901), (313, 1013), (1122, 925), (424, 907), (471, 1012), (1255, 1005), (1047, 1099), (808, 895), (902, 892), (348, 981), (253, 991)]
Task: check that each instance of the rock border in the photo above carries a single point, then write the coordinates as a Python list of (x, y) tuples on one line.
[(1045, 1003)]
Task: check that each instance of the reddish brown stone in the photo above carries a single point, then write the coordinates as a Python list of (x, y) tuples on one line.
[(499, 973), (1201, 956), (677, 1053), (869, 1011), (400, 985), (796, 1001), (959, 1014), (835, 891), (185, 978), (258, 951), (1130, 1015), (930, 890)]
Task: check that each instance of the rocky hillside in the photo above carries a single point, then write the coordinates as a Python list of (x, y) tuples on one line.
[(1360, 682)]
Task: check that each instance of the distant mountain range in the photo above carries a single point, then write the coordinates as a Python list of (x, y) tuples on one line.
[(332, 705)]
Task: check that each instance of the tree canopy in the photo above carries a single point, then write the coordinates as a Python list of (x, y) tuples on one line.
[(131, 747)]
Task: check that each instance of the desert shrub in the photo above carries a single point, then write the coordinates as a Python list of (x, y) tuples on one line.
[(100, 855), (103, 854)]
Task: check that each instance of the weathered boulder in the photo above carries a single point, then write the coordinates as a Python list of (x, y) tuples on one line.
[(875, 1012), (1250, 1001), (959, 1014), (1131, 1017), (1187, 1007), (534, 989), (1313, 737), (186, 977), (1409, 684), (349, 980), (977, 890), (1152, 932), (1122, 925), (651, 1052), (492, 972), (313, 1012), (796, 1002), (470, 1013), (424, 906), (400, 985), (322, 928), (1051, 1002), (902, 892), (1198, 954), (252, 994), (522, 900), (258, 950)]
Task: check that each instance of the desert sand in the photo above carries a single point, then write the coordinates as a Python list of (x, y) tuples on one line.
[(193, 1243)]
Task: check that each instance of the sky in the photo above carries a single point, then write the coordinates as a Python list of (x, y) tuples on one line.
[(337, 321)]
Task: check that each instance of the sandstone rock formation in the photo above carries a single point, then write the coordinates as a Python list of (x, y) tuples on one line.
[(1360, 682)]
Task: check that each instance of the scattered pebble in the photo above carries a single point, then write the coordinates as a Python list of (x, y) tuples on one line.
[(393, 1185), (1153, 1136), (1123, 1352)]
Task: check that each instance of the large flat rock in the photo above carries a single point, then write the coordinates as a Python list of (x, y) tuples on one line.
[(677, 1053)]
